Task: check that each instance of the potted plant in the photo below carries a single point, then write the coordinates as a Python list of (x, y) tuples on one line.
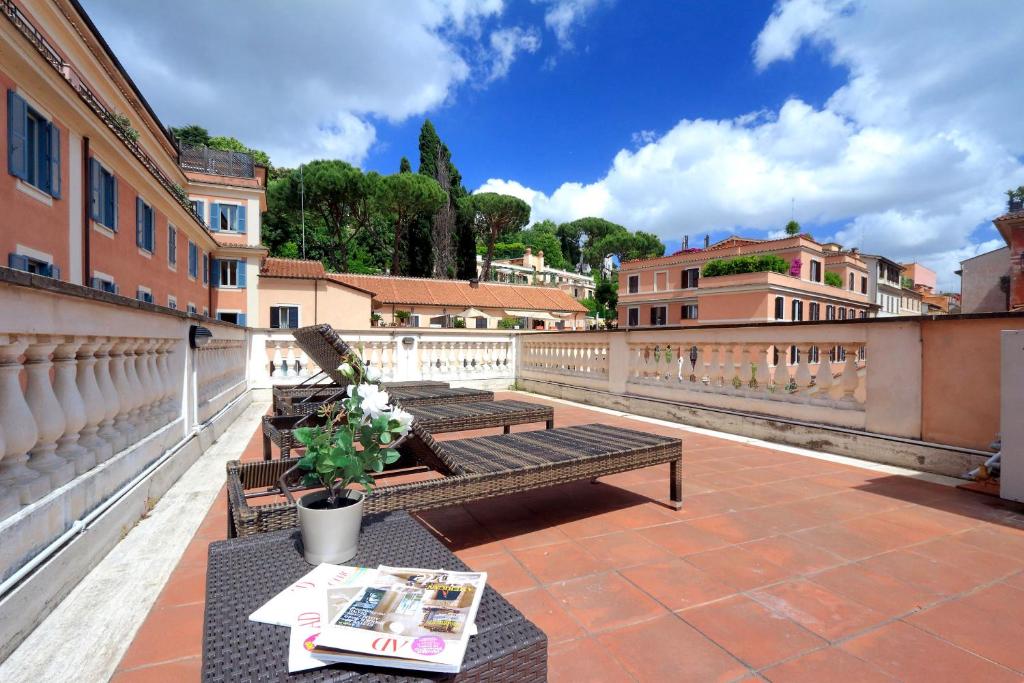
[(354, 438)]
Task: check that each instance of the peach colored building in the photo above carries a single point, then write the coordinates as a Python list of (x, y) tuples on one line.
[(294, 293), (985, 282), (439, 303), (1011, 227), (93, 191), (671, 290)]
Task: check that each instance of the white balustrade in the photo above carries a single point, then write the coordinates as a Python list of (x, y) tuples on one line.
[(93, 401), (65, 369), (46, 412)]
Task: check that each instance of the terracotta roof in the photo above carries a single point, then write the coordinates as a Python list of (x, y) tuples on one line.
[(460, 293), (729, 242), (290, 267)]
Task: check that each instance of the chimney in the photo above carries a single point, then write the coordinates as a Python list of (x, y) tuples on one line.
[(475, 283), (686, 242), (707, 241)]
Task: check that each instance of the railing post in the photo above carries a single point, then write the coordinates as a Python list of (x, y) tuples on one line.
[(46, 412), (18, 426), (65, 388)]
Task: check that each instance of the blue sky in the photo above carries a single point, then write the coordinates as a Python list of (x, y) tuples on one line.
[(892, 126)]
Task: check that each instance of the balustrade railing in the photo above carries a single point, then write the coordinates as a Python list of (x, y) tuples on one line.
[(580, 359)]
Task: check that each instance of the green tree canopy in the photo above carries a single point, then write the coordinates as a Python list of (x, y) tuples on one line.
[(496, 215), (792, 228), (230, 144), (407, 196), (192, 134), (606, 294)]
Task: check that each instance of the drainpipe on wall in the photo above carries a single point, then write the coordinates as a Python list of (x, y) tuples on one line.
[(316, 301), (86, 214)]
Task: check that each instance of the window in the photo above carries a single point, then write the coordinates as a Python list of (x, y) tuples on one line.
[(481, 323), (842, 314), (193, 260), (798, 310), (144, 228), (33, 146), (199, 209), (206, 311), (144, 294), (231, 317), (634, 284), (688, 312), (633, 317), (102, 195), (227, 217), (691, 276), (851, 282), (814, 311), (863, 285), (172, 245), (852, 314), (830, 312), (172, 303), (228, 273), (206, 269), (284, 317), (658, 315), (863, 314), (36, 266), (780, 308), (104, 283), (191, 308), (815, 271)]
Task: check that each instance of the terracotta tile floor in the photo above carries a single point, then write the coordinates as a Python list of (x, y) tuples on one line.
[(779, 566)]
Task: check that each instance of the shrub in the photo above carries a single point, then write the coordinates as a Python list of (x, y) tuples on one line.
[(459, 323), (768, 263), (508, 323), (834, 280)]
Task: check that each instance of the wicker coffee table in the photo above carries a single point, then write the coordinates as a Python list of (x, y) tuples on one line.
[(243, 573)]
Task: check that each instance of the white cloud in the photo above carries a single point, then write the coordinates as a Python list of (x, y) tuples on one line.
[(300, 82), (563, 15), (643, 137), (506, 44), (908, 157)]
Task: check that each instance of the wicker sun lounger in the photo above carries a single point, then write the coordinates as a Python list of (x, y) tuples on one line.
[(291, 392), (405, 397), (438, 419), (474, 468)]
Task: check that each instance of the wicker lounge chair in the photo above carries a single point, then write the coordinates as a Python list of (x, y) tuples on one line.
[(477, 468), (327, 349), (438, 419), (292, 392)]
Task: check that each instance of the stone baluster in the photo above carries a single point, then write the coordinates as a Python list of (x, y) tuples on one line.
[(780, 373), (46, 412), (9, 500), (65, 388), (93, 401), (803, 376), (720, 369), (146, 385), (760, 355), (19, 427), (111, 403), (162, 377), (278, 361), (850, 381), (824, 381), (135, 386), (156, 392), (122, 421)]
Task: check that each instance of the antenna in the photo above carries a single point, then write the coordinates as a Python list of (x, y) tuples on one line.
[(792, 208), (302, 208)]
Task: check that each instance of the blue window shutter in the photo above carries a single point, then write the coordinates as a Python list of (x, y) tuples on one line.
[(215, 267), (95, 191), (113, 209), (138, 221), (54, 161), (241, 219), (214, 216), (201, 210), (17, 262), (55, 272), (241, 273), (17, 136), (241, 319), (151, 229), (206, 269)]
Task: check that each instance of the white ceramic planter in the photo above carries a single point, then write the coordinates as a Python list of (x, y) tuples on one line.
[(330, 535)]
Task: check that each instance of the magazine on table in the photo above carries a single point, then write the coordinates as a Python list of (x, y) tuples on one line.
[(301, 602), (404, 618)]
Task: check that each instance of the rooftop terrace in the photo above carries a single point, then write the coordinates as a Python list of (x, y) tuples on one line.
[(783, 564)]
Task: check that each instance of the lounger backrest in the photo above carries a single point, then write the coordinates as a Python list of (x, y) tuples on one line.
[(325, 347), (432, 452)]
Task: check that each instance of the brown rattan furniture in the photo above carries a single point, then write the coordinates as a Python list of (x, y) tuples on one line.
[(242, 574), (437, 419), (282, 392), (481, 467), (406, 397)]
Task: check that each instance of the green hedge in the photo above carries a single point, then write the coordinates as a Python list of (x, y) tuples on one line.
[(834, 279), (768, 263)]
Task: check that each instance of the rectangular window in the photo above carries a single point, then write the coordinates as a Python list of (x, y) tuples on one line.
[(688, 312), (842, 314), (199, 209), (102, 195), (851, 282), (691, 277), (231, 317), (143, 294), (228, 272), (863, 314), (815, 271), (172, 245), (798, 310), (284, 317), (814, 311), (144, 225), (780, 308), (193, 260), (481, 323), (633, 317), (33, 265), (172, 303), (863, 285), (658, 315), (227, 217), (634, 284), (33, 146), (830, 312), (104, 284), (192, 308)]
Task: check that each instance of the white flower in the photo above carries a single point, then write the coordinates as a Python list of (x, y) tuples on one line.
[(403, 418), (375, 401), (372, 374), (346, 370)]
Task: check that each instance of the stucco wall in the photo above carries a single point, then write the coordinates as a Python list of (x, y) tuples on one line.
[(319, 301), (979, 282)]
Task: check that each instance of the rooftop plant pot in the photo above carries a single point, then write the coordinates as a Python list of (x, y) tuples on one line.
[(330, 534)]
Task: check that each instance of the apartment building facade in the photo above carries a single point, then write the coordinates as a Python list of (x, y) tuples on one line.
[(671, 290), (530, 269), (93, 192)]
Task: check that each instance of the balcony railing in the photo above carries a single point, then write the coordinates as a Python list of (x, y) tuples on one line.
[(217, 162)]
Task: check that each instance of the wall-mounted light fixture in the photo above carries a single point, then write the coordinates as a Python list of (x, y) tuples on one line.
[(198, 336)]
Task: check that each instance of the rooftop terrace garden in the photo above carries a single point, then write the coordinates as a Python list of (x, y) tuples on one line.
[(768, 263)]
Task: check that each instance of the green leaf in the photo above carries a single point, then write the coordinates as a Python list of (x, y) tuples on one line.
[(305, 435), (385, 437), (308, 461), (391, 456), (377, 464), (310, 479), (324, 467)]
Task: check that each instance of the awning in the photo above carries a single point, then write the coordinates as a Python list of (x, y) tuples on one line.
[(535, 315), (472, 313)]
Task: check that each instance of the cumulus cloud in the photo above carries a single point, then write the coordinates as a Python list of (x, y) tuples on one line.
[(300, 82), (909, 157), (643, 137), (506, 44), (562, 16)]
